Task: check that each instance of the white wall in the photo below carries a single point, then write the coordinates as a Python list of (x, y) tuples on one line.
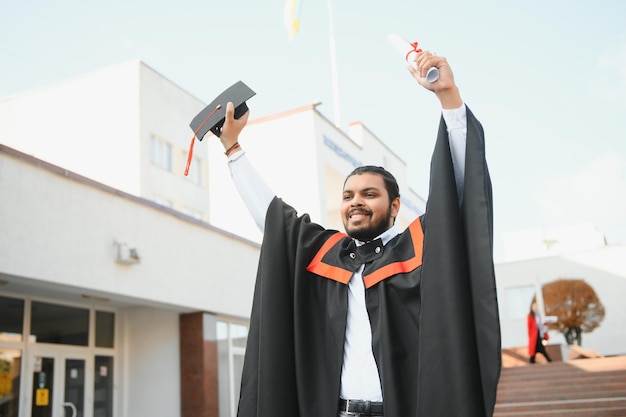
[(88, 124), (603, 269), (59, 229), (283, 151), (152, 362), (165, 111)]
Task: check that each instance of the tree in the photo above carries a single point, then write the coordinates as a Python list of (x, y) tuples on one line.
[(576, 306)]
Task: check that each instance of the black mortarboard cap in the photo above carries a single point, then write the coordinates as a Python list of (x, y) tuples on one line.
[(211, 119)]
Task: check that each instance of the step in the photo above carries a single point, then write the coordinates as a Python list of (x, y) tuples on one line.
[(581, 387), (590, 383), (558, 395), (582, 412), (567, 378), (583, 403), (589, 407), (604, 363)]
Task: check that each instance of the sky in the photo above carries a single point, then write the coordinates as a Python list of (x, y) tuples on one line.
[(547, 80)]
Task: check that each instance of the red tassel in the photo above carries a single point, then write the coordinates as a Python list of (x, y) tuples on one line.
[(190, 153)]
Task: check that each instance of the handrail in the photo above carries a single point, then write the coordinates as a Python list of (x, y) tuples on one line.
[(72, 406)]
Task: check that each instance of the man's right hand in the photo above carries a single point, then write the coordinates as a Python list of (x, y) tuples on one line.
[(232, 127), (445, 88)]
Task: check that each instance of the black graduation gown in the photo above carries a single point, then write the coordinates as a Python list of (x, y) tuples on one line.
[(430, 295)]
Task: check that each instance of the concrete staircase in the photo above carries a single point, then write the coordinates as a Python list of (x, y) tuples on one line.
[(579, 387)]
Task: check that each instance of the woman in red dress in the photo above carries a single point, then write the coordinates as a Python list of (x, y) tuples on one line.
[(536, 335)]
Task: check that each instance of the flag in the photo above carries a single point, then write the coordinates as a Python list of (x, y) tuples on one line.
[(292, 17)]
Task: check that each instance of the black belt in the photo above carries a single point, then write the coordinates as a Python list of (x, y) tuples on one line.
[(359, 407)]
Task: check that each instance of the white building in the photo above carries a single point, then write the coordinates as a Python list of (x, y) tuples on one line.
[(125, 287), (96, 287), (569, 252), (553, 241), (125, 126)]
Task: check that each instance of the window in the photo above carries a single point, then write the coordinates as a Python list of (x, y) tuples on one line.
[(103, 387), (518, 301), (52, 323), (105, 329), (231, 347), (74, 389), (10, 360), (160, 153), (11, 319)]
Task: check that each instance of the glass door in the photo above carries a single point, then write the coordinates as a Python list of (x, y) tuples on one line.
[(58, 382)]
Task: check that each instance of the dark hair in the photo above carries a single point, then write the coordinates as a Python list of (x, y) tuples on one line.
[(390, 181)]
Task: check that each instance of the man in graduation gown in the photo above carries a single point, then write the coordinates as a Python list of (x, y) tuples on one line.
[(405, 322)]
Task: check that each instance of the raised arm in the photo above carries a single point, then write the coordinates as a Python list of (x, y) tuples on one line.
[(255, 193), (453, 108), (444, 88)]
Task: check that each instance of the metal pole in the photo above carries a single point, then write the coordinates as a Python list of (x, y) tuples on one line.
[(333, 63)]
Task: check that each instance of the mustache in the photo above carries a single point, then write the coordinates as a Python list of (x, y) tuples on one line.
[(359, 210)]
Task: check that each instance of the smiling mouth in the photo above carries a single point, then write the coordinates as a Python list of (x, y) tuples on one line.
[(357, 215)]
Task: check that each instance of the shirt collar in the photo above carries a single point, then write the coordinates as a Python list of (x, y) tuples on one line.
[(385, 236)]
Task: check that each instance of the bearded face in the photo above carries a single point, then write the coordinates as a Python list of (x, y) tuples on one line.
[(365, 209)]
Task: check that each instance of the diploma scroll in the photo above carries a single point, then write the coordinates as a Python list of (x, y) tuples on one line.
[(551, 319), (409, 50)]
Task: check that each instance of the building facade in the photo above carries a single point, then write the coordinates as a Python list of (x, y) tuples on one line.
[(96, 288), (601, 267)]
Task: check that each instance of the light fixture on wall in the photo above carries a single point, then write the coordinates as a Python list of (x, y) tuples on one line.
[(126, 255), (95, 298)]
